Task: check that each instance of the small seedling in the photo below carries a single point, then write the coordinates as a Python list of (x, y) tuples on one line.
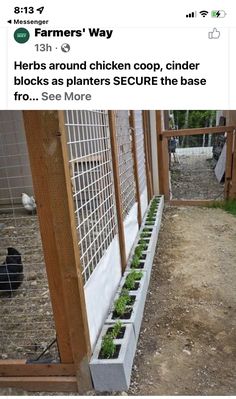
[(145, 234), (108, 347), (132, 278), (143, 244), (153, 212), (147, 230), (135, 261), (155, 201), (138, 251), (136, 275), (116, 329), (121, 303)]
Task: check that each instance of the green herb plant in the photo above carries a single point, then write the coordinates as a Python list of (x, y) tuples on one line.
[(108, 346), (116, 329), (150, 222), (144, 234), (146, 230), (121, 303), (132, 278), (138, 251), (143, 244), (135, 262)]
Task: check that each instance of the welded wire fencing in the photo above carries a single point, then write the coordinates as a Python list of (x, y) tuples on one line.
[(126, 166), (27, 325), (26, 321), (140, 150), (91, 169)]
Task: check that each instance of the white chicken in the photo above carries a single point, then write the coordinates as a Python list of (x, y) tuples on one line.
[(28, 203)]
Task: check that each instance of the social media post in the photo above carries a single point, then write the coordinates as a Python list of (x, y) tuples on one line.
[(117, 198), (80, 65), (134, 68)]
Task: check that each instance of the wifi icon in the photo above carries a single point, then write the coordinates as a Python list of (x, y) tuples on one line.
[(203, 13)]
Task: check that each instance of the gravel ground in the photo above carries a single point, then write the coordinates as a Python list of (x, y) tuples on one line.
[(194, 178)]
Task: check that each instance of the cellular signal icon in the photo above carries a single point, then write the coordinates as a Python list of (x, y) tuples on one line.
[(192, 14)]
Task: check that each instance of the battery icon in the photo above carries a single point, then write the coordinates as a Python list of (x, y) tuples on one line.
[(218, 14)]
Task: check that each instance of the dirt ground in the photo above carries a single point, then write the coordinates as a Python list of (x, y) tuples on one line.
[(193, 177), (187, 344)]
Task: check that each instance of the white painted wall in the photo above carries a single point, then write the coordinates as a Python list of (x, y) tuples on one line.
[(101, 288)]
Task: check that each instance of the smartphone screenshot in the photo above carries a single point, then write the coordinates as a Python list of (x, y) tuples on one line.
[(117, 198)]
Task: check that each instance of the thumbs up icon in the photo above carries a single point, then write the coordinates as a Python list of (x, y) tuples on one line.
[(215, 34)]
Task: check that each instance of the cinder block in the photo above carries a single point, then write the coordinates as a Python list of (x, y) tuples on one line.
[(114, 374)]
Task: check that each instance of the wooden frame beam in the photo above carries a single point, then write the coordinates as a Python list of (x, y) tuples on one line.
[(192, 132), (116, 176), (135, 162), (192, 202), (49, 384), (19, 368), (46, 140)]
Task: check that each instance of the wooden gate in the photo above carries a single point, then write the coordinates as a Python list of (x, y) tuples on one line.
[(230, 165)]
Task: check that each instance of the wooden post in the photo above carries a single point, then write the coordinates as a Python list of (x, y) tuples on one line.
[(159, 129), (165, 168), (116, 176), (46, 139), (228, 166), (135, 162), (233, 186), (149, 144), (148, 159)]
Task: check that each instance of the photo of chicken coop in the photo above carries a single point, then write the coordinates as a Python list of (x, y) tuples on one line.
[(76, 186)]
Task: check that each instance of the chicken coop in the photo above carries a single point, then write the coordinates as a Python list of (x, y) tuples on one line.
[(75, 187), (90, 174)]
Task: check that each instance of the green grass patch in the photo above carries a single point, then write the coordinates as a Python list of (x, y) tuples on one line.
[(228, 206)]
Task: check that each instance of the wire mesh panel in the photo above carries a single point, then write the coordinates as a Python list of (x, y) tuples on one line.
[(140, 150), (92, 182), (126, 167), (26, 320)]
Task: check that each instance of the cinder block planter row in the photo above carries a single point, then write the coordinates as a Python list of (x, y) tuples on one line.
[(139, 298), (146, 264), (114, 374)]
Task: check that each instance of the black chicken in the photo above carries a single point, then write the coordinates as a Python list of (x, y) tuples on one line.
[(11, 272)]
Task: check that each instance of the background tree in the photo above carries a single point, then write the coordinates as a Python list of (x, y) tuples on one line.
[(194, 119)]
